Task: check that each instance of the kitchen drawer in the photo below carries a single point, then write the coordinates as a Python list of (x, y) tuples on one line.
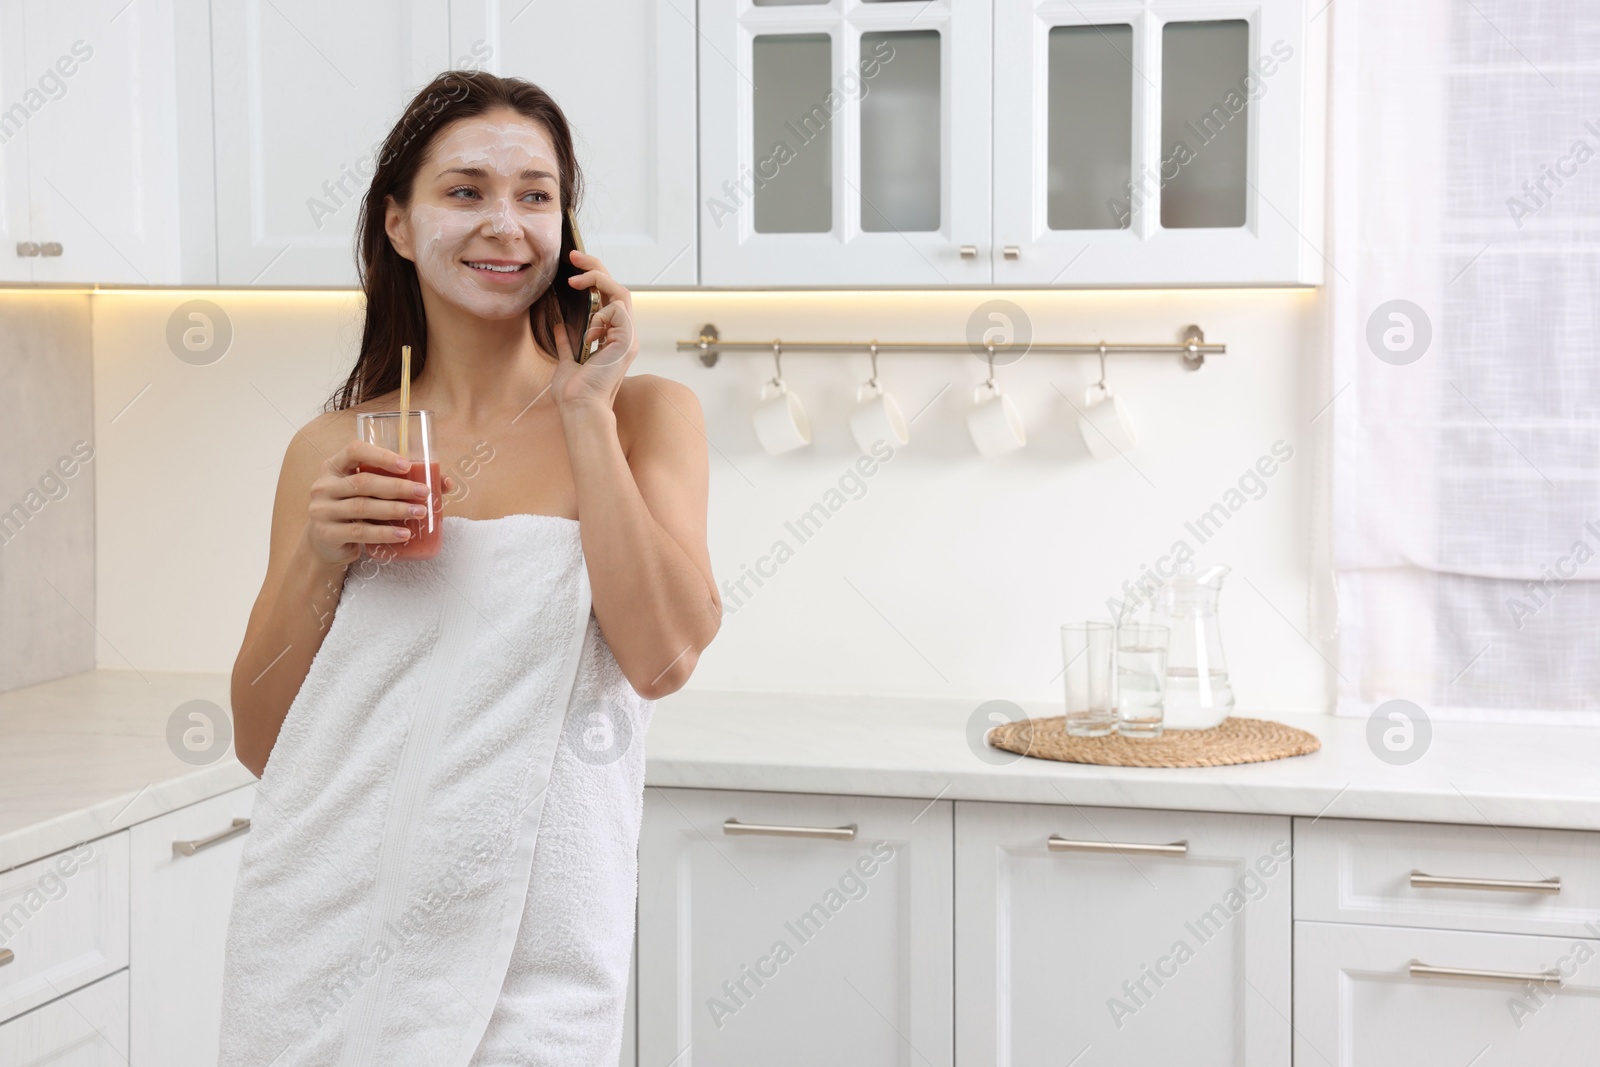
[(1358, 999), (88, 1028), (63, 923), (1349, 870)]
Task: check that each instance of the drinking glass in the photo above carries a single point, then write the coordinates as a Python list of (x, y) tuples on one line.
[(382, 428), (1141, 678), (1086, 649)]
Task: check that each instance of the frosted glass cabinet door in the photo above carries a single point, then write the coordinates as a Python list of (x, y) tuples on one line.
[(1146, 958), (789, 947), (1149, 142), (305, 91), (623, 71), (845, 142)]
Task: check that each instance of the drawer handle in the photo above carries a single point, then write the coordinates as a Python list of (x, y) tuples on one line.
[(1061, 844), (830, 833), (1431, 881), (1547, 978), (6, 956), (189, 848)]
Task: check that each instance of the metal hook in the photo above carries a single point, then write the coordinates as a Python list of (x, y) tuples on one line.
[(1102, 383), (872, 350), (990, 349), (777, 362)]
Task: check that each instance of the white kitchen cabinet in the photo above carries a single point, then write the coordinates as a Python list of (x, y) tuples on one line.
[(1154, 142), (1173, 947), (87, 1028), (1490, 878), (183, 868), (1359, 998), (304, 94), (792, 930), (845, 143), (63, 923), (96, 140), (623, 72), (14, 227)]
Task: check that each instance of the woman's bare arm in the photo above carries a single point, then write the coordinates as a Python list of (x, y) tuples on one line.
[(644, 528), (316, 536)]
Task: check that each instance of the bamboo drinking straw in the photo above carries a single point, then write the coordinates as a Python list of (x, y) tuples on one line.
[(405, 396)]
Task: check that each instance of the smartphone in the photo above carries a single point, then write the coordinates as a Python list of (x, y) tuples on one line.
[(584, 349)]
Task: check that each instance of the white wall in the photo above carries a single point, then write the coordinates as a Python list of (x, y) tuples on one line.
[(948, 576)]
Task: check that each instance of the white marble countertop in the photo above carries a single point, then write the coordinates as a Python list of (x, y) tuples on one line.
[(88, 755), (1476, 773)]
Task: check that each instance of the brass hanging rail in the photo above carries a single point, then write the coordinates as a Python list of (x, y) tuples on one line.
[(1192, 347)]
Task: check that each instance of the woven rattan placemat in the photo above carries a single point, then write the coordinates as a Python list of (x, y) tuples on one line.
[(1234, 740)]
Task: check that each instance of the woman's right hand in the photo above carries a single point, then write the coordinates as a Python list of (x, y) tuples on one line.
[(349, 509)]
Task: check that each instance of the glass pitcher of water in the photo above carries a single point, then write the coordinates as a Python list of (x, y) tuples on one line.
[(1198, 694)]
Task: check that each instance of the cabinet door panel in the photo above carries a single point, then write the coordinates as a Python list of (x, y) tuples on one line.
[(88, 1028), (1400, 874), (794, 951), (180, 906), (1219, 180), (623, 72), (305, 93), (64, 921), (1146, 958), (1358, 1002), (14, 225), (845, 144), (103, 145)]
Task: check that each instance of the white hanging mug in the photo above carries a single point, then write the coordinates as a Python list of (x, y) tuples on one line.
[(877, 417), (1105, 423), (780, 420), (993, 422)]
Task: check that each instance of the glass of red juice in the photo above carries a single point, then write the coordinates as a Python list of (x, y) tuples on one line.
[(382, 428)]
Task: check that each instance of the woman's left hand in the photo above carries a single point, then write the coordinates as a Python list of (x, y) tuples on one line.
[(598, 379)]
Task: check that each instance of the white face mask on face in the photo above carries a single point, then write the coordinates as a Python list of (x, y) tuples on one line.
[(489, 243)]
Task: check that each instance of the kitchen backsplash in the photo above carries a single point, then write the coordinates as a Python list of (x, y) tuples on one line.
[(47, 488), (939, 573)]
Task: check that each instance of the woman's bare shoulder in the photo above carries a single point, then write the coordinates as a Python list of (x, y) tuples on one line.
[(323, 436), (649, 406)]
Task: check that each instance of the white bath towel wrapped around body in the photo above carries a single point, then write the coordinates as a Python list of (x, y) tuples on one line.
[(441, 865)]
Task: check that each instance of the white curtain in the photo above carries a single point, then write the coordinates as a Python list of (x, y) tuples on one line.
[(1464, 198)]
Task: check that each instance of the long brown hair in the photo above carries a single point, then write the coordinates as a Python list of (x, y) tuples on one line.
[(395, 315)]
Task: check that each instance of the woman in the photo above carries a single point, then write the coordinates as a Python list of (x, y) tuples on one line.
[(441, 864)]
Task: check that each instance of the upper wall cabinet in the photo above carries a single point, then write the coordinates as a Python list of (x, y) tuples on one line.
[(623, 72), (845, 142), (1158, 142), (95, 140), (305, 92)]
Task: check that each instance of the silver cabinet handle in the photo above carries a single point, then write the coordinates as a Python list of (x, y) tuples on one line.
[(1061, 844), (830, 833), (969, 251), (1013, 252), (27, 248), (1432, 881), (6, 956), (189, 848), (1548, 978), (50, 248)]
